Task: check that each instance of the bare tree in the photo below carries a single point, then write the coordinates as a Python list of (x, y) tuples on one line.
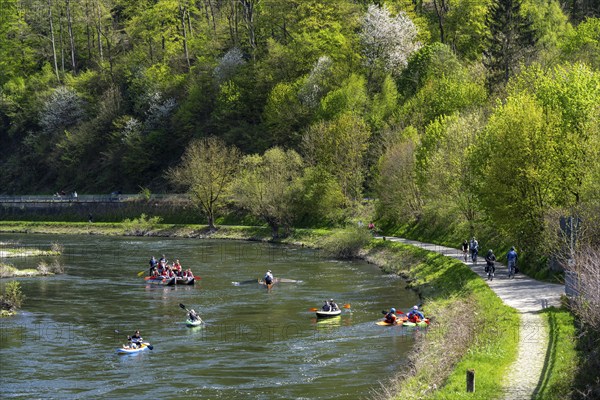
[(52, 41)]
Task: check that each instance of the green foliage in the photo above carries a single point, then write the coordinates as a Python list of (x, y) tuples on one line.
[(318, 198), (347, 243), (13, 297), (583, 43), (140, 226), (264, 186)]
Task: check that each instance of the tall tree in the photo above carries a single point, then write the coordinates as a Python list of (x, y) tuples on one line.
[(206, 171), (265, 186), (511, 39)]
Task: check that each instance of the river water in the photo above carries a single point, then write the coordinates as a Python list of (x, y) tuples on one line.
[(256, 344)]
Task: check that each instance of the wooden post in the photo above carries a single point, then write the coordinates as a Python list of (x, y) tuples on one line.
[(470, 380)]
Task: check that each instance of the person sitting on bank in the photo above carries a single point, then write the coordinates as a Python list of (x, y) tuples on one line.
[(390, 317), (136, 340), (269, 277), (415, 315)]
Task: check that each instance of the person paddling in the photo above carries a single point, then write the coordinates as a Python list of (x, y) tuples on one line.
[(326, 306), (390, 317), (193, 316), (269, 277), (333, 305), (136, 340), (415, 315)]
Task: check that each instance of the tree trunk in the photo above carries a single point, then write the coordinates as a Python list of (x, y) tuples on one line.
[(183, 28), (99, 30), (88, 31), (440, 9), (71, 38), (52, 40), (248, 8)]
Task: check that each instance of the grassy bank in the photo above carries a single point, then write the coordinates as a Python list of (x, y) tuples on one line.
[(307, 237), (471, 328), (562, 359)]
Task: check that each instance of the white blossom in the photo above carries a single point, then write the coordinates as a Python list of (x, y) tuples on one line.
[(388, 41), (228, 64), (62, 109), (315, 85)]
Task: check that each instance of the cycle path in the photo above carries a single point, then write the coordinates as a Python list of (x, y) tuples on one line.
[(528, 297)]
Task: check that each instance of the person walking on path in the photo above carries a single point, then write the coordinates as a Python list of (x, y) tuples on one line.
[(511, 259)]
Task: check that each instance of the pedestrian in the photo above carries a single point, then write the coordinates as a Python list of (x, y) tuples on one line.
[(511, 259)]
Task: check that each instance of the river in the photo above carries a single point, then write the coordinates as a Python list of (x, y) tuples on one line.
[(256, 343)]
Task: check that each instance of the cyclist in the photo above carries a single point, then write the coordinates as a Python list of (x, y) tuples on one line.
[(490, 268), (511, 258)]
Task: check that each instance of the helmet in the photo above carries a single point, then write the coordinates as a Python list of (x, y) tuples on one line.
[(512, 248), (269, 271), (415, 307), (490, 251), (392, 310), (331, 300)]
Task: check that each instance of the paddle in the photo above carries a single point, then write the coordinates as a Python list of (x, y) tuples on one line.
[(146, 343), (144, 271)]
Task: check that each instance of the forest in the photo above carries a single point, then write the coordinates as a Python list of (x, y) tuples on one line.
[(458, 112)]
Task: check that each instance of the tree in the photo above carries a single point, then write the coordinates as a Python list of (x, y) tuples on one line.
[(515, 179), (339, 146), (397, 190), (388, 41), (265, 186), (511, 40), (206, 171)]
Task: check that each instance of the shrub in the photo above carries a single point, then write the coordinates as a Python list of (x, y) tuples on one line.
[(12, 297), (140, 226), (347, 243)]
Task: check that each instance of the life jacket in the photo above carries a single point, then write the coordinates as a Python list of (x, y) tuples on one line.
[(390, 318)]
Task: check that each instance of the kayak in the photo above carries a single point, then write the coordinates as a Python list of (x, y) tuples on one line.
[(129, 350), (399, 321), (195, 323), (425, 322), (328, 314)]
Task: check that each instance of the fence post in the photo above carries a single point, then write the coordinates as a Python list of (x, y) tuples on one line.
[(470, 380)]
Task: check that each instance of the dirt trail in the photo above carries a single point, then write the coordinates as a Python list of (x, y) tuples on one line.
[(528, 297)]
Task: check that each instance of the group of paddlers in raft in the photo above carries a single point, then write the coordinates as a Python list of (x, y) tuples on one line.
[(162, 269)]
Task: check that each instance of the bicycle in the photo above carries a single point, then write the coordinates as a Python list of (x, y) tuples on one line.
[(511, 270), (474, 256), (465, 255), (490, 269)]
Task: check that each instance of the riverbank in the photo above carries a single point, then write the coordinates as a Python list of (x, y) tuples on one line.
[(471, 328)]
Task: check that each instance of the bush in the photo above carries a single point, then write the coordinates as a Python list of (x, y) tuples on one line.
[(12, 297), (140, 226), (347, 243)]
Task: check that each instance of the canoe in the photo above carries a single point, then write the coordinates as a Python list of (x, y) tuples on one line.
[(184, 281), (192, 324), (129, 350), (328, 314), (161, 281)]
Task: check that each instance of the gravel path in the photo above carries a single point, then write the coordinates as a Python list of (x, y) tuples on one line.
[(528, 297)]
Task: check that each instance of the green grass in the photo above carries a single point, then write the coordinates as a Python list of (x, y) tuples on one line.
[(562, 359)]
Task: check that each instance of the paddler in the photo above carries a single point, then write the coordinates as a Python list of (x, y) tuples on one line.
[(193, 316), (415, 315), (390, 317), (136, 340), (269, 277)]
